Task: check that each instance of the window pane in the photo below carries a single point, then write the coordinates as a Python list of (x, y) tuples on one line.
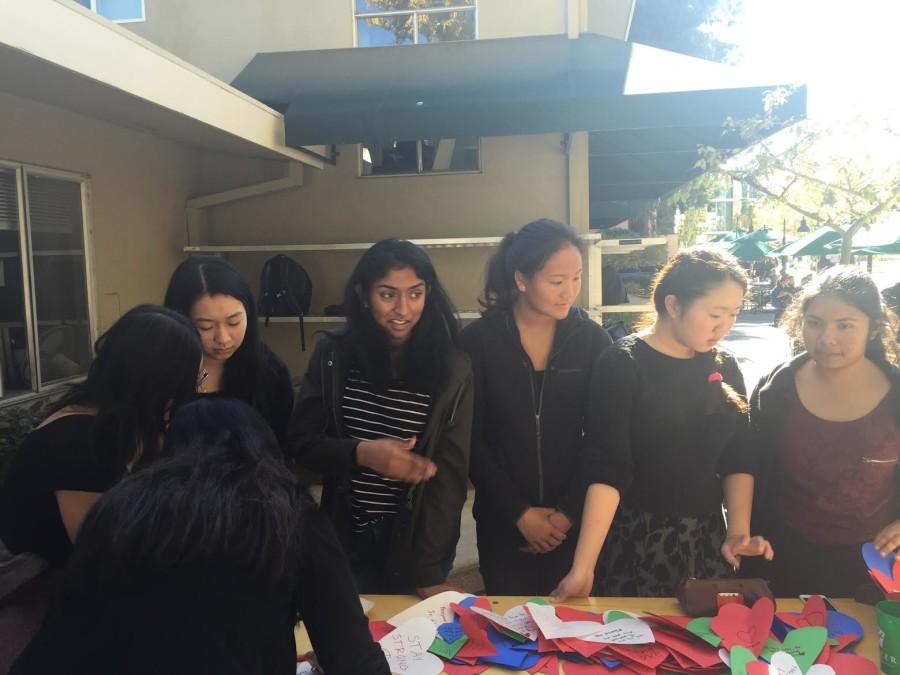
[(367, 6), (84, 3), (385, 31), (447, 26), (386, 158), (14, 371), (61, 308), (450, 154), (121, 10)]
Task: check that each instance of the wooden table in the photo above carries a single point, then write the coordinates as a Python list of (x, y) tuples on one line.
[(388, 605)]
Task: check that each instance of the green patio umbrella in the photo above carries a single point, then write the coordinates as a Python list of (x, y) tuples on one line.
[(748, 250), (882, 238), (813, 244)]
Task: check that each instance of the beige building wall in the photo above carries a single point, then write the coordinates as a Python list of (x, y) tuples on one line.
[(221, 36), (138, 187), (521, 178)]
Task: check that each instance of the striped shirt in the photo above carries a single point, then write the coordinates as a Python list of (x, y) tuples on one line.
[(369, 415)]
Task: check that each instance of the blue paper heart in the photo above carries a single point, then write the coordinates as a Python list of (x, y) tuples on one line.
[(841, 624), (875, 561), (506, 654), (450, 632)]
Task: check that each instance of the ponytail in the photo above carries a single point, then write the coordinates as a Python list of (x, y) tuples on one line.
[(525, 252), (720, 395)]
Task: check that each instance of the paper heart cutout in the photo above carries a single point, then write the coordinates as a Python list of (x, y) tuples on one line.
[(406, 648), (701, 628), (814, 612), (821, 669), (757, 668), (783, 663), (876, 562), (611, 615), (851, 664), (805, 645), (882, 580), (450, 631), (738, 625), (739, 658)]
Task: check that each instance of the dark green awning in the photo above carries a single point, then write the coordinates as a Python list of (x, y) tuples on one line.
[(647, 109)]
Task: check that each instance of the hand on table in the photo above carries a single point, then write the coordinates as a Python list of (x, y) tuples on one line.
[(737, 545), (539, 530), (576, 584), (888, 540), (394, 458)]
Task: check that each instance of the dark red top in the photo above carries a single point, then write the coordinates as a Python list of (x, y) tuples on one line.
[(837, 482)]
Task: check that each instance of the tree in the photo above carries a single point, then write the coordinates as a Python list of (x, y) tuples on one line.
[(843, 174), (685, 27)]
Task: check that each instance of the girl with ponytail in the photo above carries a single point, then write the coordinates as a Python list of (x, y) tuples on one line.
[(826, 426), (668, 421), (531, 357)]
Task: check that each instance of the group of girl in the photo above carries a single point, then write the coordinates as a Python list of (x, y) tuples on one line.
[(598, 468)]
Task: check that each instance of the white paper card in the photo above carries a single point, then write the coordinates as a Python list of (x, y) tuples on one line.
[(517, 619), (622, 632), (406, 648), (436, 609)]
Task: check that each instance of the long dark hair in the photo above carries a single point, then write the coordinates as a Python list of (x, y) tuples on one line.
[(208, 275), (526, 252), (424, 360), (144, 369), (220, 493), (688, 276), (857, 289)]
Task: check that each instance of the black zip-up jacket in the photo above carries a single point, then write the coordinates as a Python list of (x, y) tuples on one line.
[(426, 528), (769, 405), (528, 442)]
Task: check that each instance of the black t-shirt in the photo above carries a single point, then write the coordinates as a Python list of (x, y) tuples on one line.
[(58, 456), (207, 618), (654, 437)]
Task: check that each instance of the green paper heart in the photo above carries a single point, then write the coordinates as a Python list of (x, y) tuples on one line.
[(700, 628), (740, 656), (447, 650), (615, 615), (805, 645)]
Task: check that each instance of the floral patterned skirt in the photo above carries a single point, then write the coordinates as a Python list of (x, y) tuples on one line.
[(647, 554)]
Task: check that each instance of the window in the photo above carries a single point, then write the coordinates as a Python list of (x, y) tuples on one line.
[(437, 155), (45, 326), (120, 11), (405, 22)]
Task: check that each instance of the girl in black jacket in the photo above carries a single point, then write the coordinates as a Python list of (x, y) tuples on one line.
[(531, 354), (826, 427), (385, 414), (202, 563)]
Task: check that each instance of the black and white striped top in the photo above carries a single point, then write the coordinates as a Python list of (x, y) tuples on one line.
[(369, 415)]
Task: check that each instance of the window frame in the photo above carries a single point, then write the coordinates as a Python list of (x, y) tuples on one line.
[(143, 18), (22, 171), (419, 168), (402, 12)]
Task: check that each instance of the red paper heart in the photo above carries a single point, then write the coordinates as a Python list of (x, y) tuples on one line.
[(895, 571), (379, 629), (738, 625), (757, 668), (851, 664), (844, 641), (887, 585), (814, 612)]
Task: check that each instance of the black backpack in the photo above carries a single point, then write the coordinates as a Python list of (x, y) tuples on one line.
[(285, 289)]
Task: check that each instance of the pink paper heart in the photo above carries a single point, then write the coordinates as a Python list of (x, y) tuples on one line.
[(738, 625)]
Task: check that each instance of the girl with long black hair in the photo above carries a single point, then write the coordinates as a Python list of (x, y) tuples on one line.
[(531, 353), (826, 427), (384, 413), (668, 428), (236, 363), (203, 562), (145, 368)]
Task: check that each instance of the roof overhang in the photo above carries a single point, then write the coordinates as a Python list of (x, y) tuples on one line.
[(647, 109), (57, 52)]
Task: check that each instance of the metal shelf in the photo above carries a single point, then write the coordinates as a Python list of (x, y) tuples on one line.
[(606, 245)]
